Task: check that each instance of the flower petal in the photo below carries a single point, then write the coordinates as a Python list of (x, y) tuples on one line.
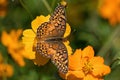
[(97, 60), (17, 57), (88, 52), (38, 21), (90, 77), (28, 41), (101, 70), (75, 75), (6, 70), (29, 33), (69, 49), (68, 30), (75, 60), (29, 54), (5, 39)]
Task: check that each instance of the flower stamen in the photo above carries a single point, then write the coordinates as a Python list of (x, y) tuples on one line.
[(87, 68)]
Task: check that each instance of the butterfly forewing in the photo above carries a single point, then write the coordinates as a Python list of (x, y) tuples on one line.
[(49, 39), (59, 20), (56, 25)]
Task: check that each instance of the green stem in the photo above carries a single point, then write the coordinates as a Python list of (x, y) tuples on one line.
[(26, 8), (47, 5), (53, 3), (109, 42)]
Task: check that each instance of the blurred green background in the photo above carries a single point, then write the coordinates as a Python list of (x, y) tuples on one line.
[(88, 28)]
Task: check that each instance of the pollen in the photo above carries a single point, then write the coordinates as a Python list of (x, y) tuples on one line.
[(87, 68)]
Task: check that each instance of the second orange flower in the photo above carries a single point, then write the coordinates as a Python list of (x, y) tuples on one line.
[(83, 65)]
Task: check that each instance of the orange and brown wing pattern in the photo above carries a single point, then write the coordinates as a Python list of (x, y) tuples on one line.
[(58, 19), (56, 25), (55, 50), (60, 59), (49, 39)]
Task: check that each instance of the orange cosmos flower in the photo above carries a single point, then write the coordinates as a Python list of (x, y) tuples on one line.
[(109, 9), (29, 40), (5, 69), (14, 45), (84, 66)]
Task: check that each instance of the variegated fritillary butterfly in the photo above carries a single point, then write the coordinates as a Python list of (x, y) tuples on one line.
[(50, 39)]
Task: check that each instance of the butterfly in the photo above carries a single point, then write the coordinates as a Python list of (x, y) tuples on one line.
[(50, 39)]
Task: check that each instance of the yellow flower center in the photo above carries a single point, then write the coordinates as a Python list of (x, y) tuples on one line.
[(87, 68)]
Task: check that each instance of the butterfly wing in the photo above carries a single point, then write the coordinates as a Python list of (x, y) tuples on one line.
[(59, 20), (60, 59), (56, 25), (56, 51), (54, 28)]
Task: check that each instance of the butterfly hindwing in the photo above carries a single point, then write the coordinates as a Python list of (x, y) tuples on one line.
[(55, 50), (60, 59), (43, 49)]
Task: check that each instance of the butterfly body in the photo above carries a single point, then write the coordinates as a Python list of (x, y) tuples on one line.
[(50, 39)]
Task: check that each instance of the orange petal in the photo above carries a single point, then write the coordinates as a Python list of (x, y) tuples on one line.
[(88, 52), (74, 60), (90, 77), (18, 58), (6, 70), (101, 70), (5, 38), (97, 60), (75, 75), (16, 34)]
